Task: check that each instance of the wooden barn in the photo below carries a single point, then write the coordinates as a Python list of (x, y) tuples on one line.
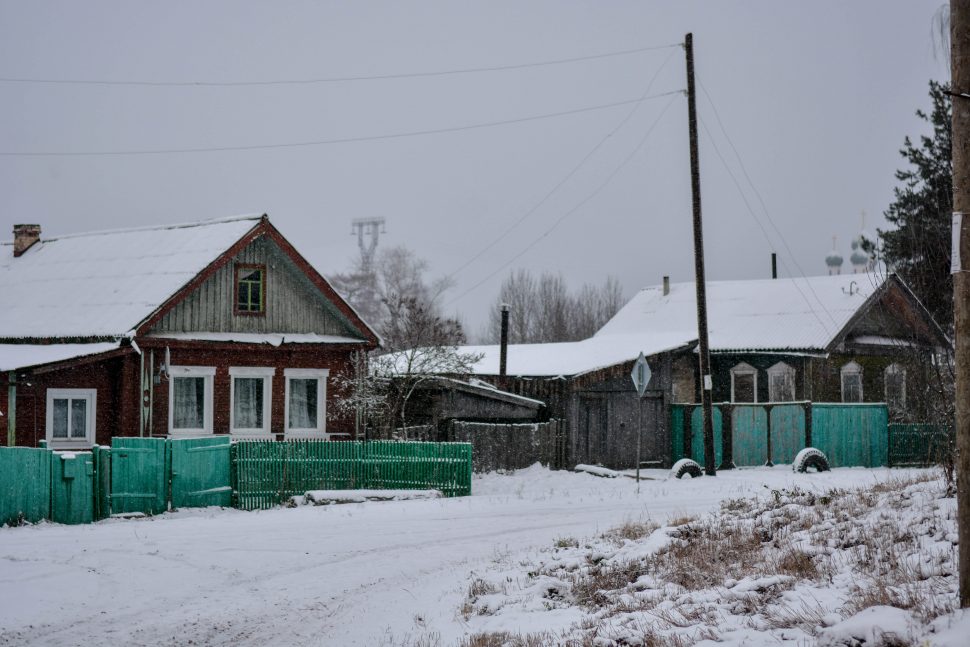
[(214, 327)]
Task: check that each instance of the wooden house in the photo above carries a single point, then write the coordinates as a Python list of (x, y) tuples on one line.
[(215, 327), (844, 338)]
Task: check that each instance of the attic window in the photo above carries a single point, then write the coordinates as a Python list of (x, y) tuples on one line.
[(250, 289)]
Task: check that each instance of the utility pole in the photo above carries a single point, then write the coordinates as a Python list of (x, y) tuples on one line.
[(960, 90), (695, 189)]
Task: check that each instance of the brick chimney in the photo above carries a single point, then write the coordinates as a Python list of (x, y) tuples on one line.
[(23, 237)]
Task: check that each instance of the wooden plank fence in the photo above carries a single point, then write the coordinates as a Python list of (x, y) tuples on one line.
[(513, 446)]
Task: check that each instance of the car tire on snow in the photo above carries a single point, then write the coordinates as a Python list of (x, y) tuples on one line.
[(811, 458), (686, 466)]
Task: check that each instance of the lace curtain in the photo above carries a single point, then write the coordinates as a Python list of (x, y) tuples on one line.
[(303, 404), (189, 406), (248, 405)]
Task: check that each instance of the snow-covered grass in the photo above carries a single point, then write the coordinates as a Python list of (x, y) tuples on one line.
[(873, 565), (378, 574)]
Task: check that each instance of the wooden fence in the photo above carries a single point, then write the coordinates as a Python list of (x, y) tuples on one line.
[(513, 446)]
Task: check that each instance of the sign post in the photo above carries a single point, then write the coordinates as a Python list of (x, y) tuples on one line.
[(641, 377)]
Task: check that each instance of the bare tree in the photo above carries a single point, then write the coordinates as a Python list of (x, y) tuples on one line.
[(543, 310)]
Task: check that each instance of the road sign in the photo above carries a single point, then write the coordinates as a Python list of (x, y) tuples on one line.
[(641, 374)]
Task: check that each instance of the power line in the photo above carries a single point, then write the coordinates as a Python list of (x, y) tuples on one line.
[(339, 140), (576, 208), (764, 207), (569, 175), (339, 79)]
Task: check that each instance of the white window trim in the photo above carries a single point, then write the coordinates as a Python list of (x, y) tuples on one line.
[(852, 368), (321, 375), (744, 369), (264, 372), (781, 368), (207, 372), (894, 368), (91, 395)]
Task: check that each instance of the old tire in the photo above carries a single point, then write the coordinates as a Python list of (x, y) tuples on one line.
[(686, 466), (811, 459)]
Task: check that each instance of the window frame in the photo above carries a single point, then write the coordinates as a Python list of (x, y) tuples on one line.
[(91, 396), (894, 368), (265, 373), (781, 368), (321, 375), (743, 368), (206, 372), (852, 368), (239, 269)]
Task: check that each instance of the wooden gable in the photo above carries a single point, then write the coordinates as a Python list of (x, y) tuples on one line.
[(294, 301)]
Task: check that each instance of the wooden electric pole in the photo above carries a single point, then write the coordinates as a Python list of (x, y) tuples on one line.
[(960, 89), (695, 189)]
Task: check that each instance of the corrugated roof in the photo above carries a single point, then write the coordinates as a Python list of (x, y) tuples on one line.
[(777, 315), (103, 284)]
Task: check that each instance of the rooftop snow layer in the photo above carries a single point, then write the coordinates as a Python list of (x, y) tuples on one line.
[(771, 314), (273, 339), (14, 356), (104, 284)]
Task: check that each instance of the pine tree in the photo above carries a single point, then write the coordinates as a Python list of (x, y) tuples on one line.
[(919, 248)]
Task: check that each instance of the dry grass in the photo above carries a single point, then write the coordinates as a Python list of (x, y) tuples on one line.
[(709, 553), (631, 530), (566, 542), (505, 639), (593, 587)]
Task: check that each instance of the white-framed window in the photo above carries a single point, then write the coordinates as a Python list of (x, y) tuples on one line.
[(190, 400), (70, 418), (781, 383), (851, 383), (250, 399), (306, 402), (895, 376), (744, 383)]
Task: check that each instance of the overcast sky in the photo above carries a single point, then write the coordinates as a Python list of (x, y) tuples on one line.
[(816, 97)]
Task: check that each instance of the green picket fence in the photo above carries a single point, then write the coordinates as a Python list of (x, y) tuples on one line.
[(773, 433), (267, 473), (918, 445)]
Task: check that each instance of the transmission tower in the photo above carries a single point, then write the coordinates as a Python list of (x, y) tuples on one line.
[(373, 227)]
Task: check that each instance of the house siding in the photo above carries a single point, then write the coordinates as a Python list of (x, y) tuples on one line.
[(293, 303)]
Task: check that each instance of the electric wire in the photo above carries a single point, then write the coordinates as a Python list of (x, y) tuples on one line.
[(574, 209), (568, 176), (757, 220), (341, 79), (338, 140), (764, 206)]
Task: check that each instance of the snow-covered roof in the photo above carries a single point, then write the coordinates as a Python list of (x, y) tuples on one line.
[(766, 315), (103, 284), (15, 356), (273, 339), (771, 314), (573, 358)]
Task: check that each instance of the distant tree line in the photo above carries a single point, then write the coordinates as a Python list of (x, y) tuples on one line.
[(542, 309)]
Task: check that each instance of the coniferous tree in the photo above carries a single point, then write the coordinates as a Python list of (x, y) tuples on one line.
[(919, 247)]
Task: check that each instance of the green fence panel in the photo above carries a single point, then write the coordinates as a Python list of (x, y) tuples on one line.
[(200, 472), (139, 475), (72, 487), (916, 445), (851, 434), (102, 482), (749, 435), (25, 484), (677, 450), (697, 435), (787, 432)]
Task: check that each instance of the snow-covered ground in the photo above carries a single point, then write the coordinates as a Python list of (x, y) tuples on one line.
[(377, 573)]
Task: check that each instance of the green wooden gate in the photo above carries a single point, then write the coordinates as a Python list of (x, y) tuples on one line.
[(749, 426), (200, 472), (852, 434), (72, 487), (25, 484), (787, 432), (139, 475)]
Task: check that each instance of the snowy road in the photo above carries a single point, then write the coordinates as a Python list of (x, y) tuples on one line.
[(358, 574)]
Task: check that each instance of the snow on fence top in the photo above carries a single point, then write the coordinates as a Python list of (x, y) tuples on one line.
[(103, 284)]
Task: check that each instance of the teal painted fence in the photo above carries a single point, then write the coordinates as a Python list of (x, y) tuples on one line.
[(25, 485), (267, 473), (200, 474), (773, 433), (916, 445)]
